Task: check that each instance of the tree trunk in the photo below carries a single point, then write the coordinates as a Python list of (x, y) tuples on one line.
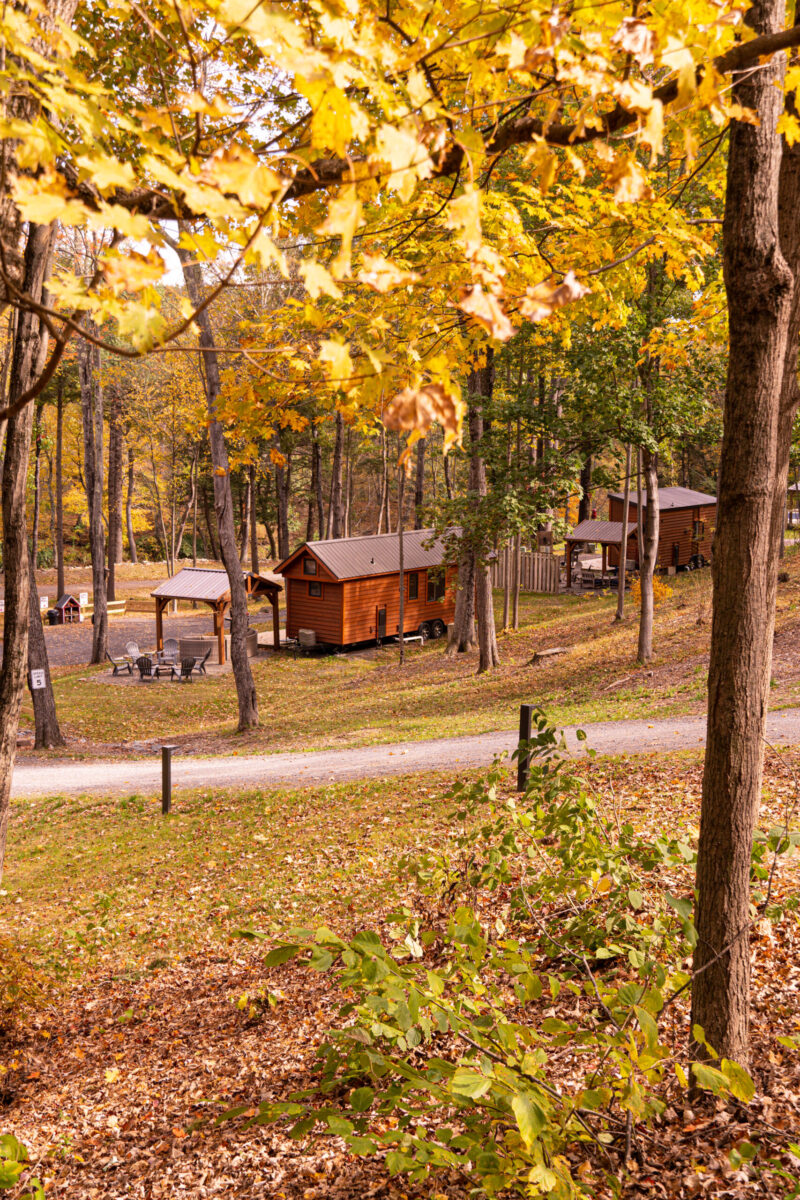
[(92, 415), (336, 481), (209, 525), (45, 717), (194, 510), (60, 584), (244, 528), (647, 569), (401, 628), (448, 480), (254, 564), (114, 548), (517, 577), (464, 618), (282, 491), (480, 385), (129, 508), (585, 502), (419, 483), (383, 504), (507, 557), (639, 510), (37, 484), (223, 502), (623, 546), (316, 457), (30, 343), (753, 467)]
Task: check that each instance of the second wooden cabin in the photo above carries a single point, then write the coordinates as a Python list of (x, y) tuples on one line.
[(347, 590), (685, 533)]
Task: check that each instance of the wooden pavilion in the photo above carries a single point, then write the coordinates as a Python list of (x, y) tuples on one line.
[(211, 586)]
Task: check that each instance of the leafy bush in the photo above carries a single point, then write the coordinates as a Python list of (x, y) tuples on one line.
[(542, 928), (13, 1165), (21, 985), (661, 591)]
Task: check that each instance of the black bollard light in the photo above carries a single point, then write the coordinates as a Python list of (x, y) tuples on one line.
[(166, 777)]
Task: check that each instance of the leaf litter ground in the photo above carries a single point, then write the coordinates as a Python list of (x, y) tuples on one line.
[(107, 1080)]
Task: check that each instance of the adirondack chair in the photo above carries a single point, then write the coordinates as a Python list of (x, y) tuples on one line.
[(169, 655), (133, 652), (144, 666), (184, 670), (120, 664), (200, 663)]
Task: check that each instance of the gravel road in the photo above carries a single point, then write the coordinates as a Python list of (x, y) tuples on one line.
[(325, 766)]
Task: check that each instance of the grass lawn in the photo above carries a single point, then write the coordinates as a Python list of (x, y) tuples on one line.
[(357, 699)]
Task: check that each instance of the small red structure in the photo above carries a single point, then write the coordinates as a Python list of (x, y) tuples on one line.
[(685, 535), (67, 610), (347, 590)]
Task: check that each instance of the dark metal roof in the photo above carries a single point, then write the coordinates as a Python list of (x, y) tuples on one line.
[(203, 583), (375, 554), (671, 497), (609, 532), (63, 601)]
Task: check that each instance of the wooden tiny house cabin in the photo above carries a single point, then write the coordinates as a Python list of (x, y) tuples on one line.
[(686, 525), (347, 590)]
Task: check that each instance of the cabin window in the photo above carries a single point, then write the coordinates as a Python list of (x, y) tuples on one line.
[(315, 589), (435, 587), (698, 530), (413, 586), (309, 566)]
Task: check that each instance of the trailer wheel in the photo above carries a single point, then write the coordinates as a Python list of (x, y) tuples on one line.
[(438, 629), (424, 631)]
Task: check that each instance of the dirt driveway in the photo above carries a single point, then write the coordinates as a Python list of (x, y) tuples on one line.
[(324, 766)]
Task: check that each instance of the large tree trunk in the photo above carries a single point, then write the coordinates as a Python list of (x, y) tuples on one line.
[(29, 348), (752, 474), (463, 638), (337, 510), (92, 414), (129, 508), (648, 565), (60, 584), (419, 483), (223, 502), (45, 717), (114, 493)]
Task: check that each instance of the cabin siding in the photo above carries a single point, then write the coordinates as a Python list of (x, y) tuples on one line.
[(323, 615), (676, 526), (363, 598)]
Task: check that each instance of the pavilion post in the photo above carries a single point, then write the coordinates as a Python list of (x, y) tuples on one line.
[(604, 549), (569, 566), (276, 624), (159, 623)]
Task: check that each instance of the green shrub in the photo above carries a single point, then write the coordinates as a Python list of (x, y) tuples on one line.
[(541, 928)]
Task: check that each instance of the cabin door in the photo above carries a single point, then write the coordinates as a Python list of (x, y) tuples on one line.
[(380, 625)]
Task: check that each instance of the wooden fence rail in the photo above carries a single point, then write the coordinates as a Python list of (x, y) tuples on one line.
[(538, 572)]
